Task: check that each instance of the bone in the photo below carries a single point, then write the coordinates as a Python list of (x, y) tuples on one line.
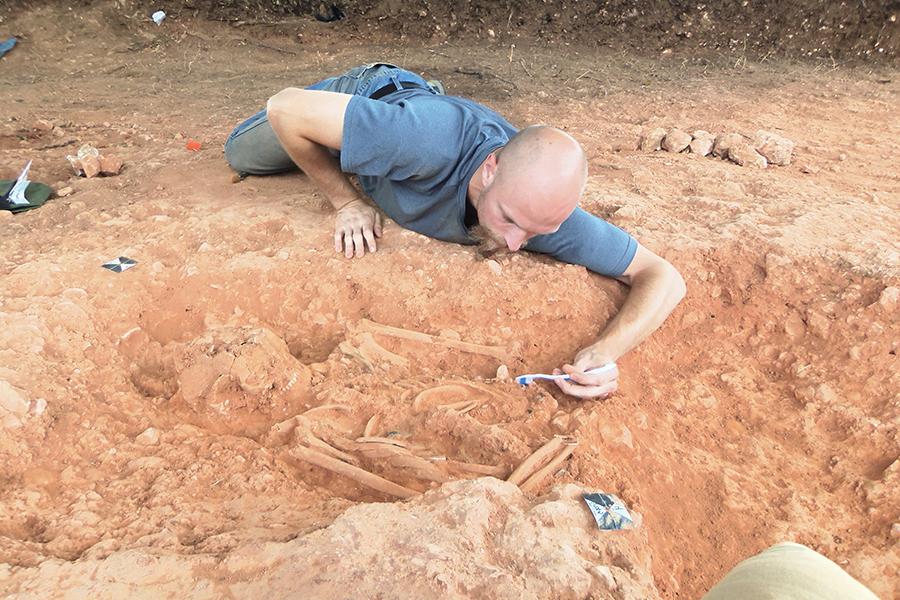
[(535, 480), (467, 407), (401, 458), (460, 407), (382, 440), (357, 474), (330, 450), (498, 352), (371, 426), (351, 351), (533, 462), (434, 397), (372, 351), (498, 471)]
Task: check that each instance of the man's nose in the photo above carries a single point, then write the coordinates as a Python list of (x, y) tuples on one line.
[(515, 239)]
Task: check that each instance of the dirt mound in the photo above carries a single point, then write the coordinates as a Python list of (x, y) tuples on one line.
[(481, 539)]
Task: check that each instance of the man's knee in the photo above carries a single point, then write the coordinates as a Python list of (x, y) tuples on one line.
[(283, 105), (256, 150)]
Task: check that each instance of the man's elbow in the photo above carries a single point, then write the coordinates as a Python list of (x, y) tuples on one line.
[(677, 287)]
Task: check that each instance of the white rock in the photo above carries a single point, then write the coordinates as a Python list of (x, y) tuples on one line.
[(724, 141), (150, 437), (889, 298), (702, 143), (676, 140), (11, 401), (652, 140), (503, 373), (743, 154), (775, 148)]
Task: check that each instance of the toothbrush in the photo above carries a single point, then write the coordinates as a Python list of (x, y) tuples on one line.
[(528, 379)]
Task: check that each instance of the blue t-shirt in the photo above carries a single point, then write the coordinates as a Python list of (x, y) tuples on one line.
[(415, 152)]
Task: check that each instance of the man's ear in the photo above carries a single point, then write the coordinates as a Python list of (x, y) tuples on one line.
[(489, 172)]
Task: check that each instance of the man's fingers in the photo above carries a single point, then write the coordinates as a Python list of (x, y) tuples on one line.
[(579, 376), (587, 391), (338, 240), (370, 239), (378, 230), (358, 243), (348, 244)]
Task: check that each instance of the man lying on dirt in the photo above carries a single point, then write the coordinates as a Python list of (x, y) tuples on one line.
[(454, 170)]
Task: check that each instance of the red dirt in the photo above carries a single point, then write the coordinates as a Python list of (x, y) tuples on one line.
[(765, 409)]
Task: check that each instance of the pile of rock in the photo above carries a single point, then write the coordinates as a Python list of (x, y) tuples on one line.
[(90, 163), (764, 149)]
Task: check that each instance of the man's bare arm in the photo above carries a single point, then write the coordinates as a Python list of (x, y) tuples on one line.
[(656, 289), (308, 123)]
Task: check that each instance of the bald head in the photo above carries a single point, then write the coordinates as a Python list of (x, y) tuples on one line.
[(528, 187), (542, 172)]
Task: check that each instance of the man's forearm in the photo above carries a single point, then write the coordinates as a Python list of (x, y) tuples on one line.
[(292, 113), (318, 163), (653, 295)]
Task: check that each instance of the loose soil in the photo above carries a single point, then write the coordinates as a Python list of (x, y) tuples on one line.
[(150, 439)]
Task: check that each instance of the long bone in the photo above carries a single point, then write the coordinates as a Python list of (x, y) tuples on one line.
[(498, 352), (357, 474), (401, 458), (532, 482), (535, 460)]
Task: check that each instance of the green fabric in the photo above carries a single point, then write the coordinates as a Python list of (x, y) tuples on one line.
[(35, 193), (788, 571)]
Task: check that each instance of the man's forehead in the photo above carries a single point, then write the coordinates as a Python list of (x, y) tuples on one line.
[(522, 218)]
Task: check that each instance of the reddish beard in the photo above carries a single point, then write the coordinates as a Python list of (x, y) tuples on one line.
[(489, 243)]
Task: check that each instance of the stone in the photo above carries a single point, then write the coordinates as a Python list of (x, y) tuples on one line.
[(652, 140), (11, 401), (110, 164), (503, 373), (808, 169), (66, 191), (150, 437), (629, 211), (889, 298), (794, 326), (702, 143), (724, 141), (43, 125), (775, 148), (826, 394), (745, 155), (494, 266), (676, 140), (818, 323), (90, 166)]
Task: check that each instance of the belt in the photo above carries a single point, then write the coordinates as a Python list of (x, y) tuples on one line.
[(391, 87)]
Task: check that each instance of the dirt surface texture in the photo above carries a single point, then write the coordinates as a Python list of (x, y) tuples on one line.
[(244, 413)]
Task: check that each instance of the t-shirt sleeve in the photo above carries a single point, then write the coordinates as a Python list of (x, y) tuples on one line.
[(587, 240), (396, 141)]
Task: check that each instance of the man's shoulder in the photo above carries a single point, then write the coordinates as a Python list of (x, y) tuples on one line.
[(454, 108)]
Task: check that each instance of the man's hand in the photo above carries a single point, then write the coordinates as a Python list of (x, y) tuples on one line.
[(357, 224), (581, 385), (656, 288)]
